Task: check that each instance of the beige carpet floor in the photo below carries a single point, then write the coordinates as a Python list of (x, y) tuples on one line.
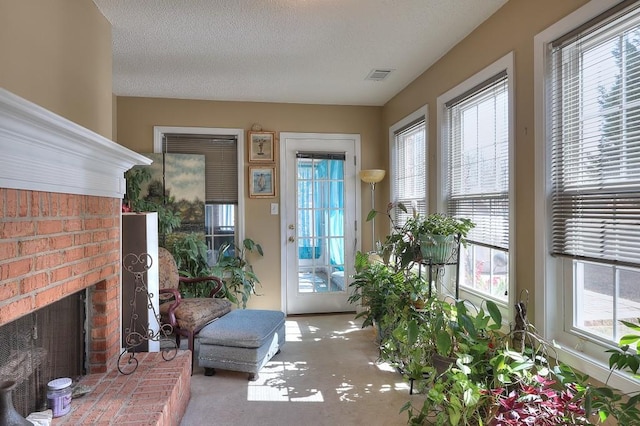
[(326, 374)]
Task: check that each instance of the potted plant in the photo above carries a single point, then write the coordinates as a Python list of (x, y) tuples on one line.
[(418, 289), (409, 346), (373, 283), (440, 234), (495, 385), (460, 328), (240, 282), (190, 253), (465, 338), (432, 237)]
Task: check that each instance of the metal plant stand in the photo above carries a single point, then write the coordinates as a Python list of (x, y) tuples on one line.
[(436, 270), (138, 265)]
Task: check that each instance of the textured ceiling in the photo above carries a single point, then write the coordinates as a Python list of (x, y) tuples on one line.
[(296, 51)]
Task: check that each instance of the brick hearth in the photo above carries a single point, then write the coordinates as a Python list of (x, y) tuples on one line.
[(157, 393)]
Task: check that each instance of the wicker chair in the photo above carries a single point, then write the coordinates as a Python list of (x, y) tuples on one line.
[(187, 316)]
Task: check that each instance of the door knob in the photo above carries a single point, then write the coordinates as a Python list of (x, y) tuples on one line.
[(291, 226), (291, 239)]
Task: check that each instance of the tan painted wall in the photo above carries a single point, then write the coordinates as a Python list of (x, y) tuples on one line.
[(137, 116), (57, 54), (512, 28)]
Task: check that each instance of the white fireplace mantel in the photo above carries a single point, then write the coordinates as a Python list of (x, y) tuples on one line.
[(42, 151)]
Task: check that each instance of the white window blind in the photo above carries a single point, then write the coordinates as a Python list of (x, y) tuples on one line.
[(221, 162), (595, 151), (478, 160), (410, 180)]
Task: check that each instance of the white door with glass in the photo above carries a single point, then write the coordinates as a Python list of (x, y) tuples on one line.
[(319, 194)]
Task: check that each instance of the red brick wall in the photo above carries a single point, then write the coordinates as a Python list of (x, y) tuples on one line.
[(53, 245)]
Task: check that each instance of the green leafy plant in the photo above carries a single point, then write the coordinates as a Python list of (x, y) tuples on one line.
[(490, 377), (457, 393), (627, 356), (390, 299), (498, 386), (403, 245), (190, 252), (409, 346), (372, 285), (233, 266), (460, 329), (135, 178), (168, 218), (442, 224)]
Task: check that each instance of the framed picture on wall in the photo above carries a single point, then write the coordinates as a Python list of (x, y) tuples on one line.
[(262, 181), (262, 147)]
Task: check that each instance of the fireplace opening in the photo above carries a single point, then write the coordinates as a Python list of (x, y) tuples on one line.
[(41, 346)]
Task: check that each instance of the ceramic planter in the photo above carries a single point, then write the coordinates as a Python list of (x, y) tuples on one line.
[(437, 248)]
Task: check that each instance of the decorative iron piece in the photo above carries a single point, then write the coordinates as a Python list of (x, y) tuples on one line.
[(138, 265)]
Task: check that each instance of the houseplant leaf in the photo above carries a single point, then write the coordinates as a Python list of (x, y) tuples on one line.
[(494, 312), (412, 332)]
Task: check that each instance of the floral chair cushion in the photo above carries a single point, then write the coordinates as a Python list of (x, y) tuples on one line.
[(193, 313)]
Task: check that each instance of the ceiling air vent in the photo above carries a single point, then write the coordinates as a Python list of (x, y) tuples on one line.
[(378, 74)]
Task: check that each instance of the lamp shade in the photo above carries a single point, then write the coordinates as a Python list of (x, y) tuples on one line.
[(372, 175)]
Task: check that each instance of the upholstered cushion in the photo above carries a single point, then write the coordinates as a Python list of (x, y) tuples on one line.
[(250, 360), (193, 313), (168, 269), (245, 328)]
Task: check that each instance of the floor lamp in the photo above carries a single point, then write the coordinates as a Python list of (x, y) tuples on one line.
[(372, 176)]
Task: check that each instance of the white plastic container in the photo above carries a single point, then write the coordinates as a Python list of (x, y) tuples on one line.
[(59, 396)]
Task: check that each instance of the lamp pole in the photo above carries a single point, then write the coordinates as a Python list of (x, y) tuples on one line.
[(372, 177), (373, 220)]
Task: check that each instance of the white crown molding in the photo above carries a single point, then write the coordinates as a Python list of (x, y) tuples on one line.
[(42, 151)]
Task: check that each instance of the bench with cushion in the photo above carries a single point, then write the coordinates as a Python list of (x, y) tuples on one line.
[(242, 340)]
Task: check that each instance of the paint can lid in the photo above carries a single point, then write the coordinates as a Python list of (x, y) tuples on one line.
[(58, 384)]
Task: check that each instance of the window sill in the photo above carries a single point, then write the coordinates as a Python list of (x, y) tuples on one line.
[(597, 370)]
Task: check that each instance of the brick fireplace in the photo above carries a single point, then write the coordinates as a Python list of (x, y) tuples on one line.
[(61, 187), (53, 245)]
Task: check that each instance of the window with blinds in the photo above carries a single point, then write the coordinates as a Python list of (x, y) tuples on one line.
[(592, 126), (221, 163), (478, 174), (410, 180), (595, 139), (221, 185), (476, 136)]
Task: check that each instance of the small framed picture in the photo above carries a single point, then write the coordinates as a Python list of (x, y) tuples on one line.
[(262, 147), (262, 181)]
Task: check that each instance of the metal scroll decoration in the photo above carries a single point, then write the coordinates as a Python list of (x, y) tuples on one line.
[(139, 332)]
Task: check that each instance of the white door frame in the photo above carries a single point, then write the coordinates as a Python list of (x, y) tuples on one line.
[(284, 175)]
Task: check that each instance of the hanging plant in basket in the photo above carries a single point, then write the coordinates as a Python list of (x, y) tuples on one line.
[(439, 235), (437, 248)]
